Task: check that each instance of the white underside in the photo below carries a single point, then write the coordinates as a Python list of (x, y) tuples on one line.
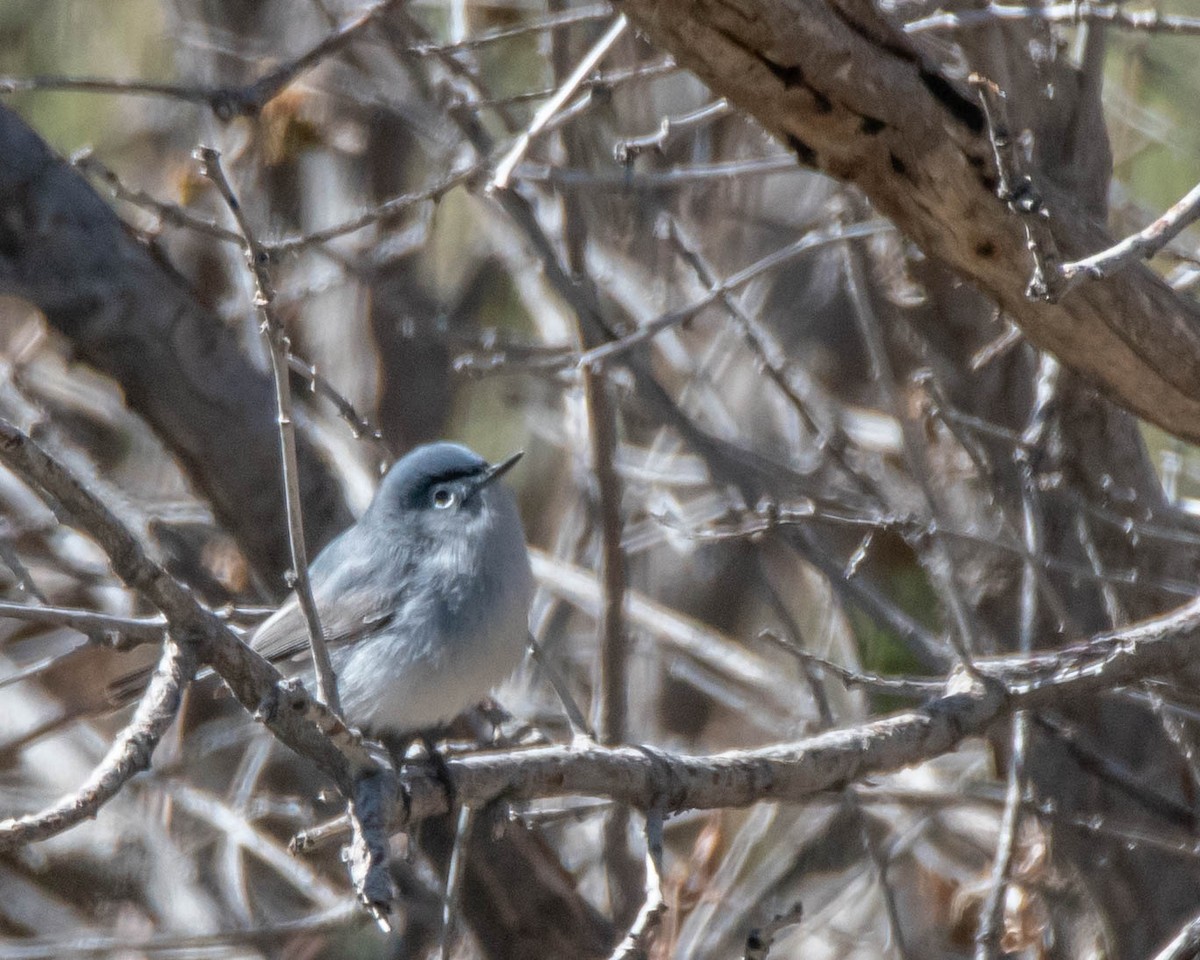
[(426, 683)]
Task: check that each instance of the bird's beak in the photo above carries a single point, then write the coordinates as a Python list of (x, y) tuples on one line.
[(496, 471)]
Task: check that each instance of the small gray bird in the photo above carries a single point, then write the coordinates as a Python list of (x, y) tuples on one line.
[(424, 602)]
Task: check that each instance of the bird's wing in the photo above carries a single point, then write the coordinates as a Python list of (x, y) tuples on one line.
[(346, 612)]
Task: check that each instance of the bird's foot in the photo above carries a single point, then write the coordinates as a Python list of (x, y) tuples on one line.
[(398, 747), (441, 769)]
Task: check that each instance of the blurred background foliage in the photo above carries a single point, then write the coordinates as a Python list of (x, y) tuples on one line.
[(439, 321)]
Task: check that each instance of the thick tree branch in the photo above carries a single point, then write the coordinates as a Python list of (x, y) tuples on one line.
[(128, 314), (854, 98), (652, 779)]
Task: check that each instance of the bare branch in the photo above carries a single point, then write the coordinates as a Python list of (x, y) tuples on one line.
[(132, 630), (1080, 11), (1139, 246), (278, 347), (586, 65), (129, 755), (1184, 945), (299, 876), (257, 685), (718, 291), (625, 150), (649, 778), (251, 678), (864, 105), (636, 945), (360, 426)]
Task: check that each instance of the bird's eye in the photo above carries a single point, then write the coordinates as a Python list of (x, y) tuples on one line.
[(443, 498)]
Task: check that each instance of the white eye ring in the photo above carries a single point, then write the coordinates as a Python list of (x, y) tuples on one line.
[(443, 498)]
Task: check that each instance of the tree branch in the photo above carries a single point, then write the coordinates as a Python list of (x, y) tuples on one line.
[(129, 755), (853, 97), (294, 718), (129, 315), (648, 778), (278, 347)]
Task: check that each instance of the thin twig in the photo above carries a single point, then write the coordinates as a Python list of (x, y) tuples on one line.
[(178, 216), (1037, 438), (253, 97), (940, 565), (718, 291), (278, 347), (715, 653), (626, 179), (360, 426), (1185, 945), (954, 421), (879, 859), (455, 872), (803, 514), (11, 559), (1112, 14), (600, 80), (628, 148), (314, 838), (225, 102), (1139, 246), (586, 65), (579, 724), (129, 755), (382, 211), (790, 379), (1180, 844), (605, 494), (895, 686), (613, 677), (553, 21), (133, 630), (636, 945), (1092, 759), (1016, 189), (197, 945), (990, 933), (87, 163), (214, 811)]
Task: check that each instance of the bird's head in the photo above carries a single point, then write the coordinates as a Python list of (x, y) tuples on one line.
[(438, 481)]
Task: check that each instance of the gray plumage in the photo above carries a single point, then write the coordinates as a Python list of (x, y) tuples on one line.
[(424, 601)]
